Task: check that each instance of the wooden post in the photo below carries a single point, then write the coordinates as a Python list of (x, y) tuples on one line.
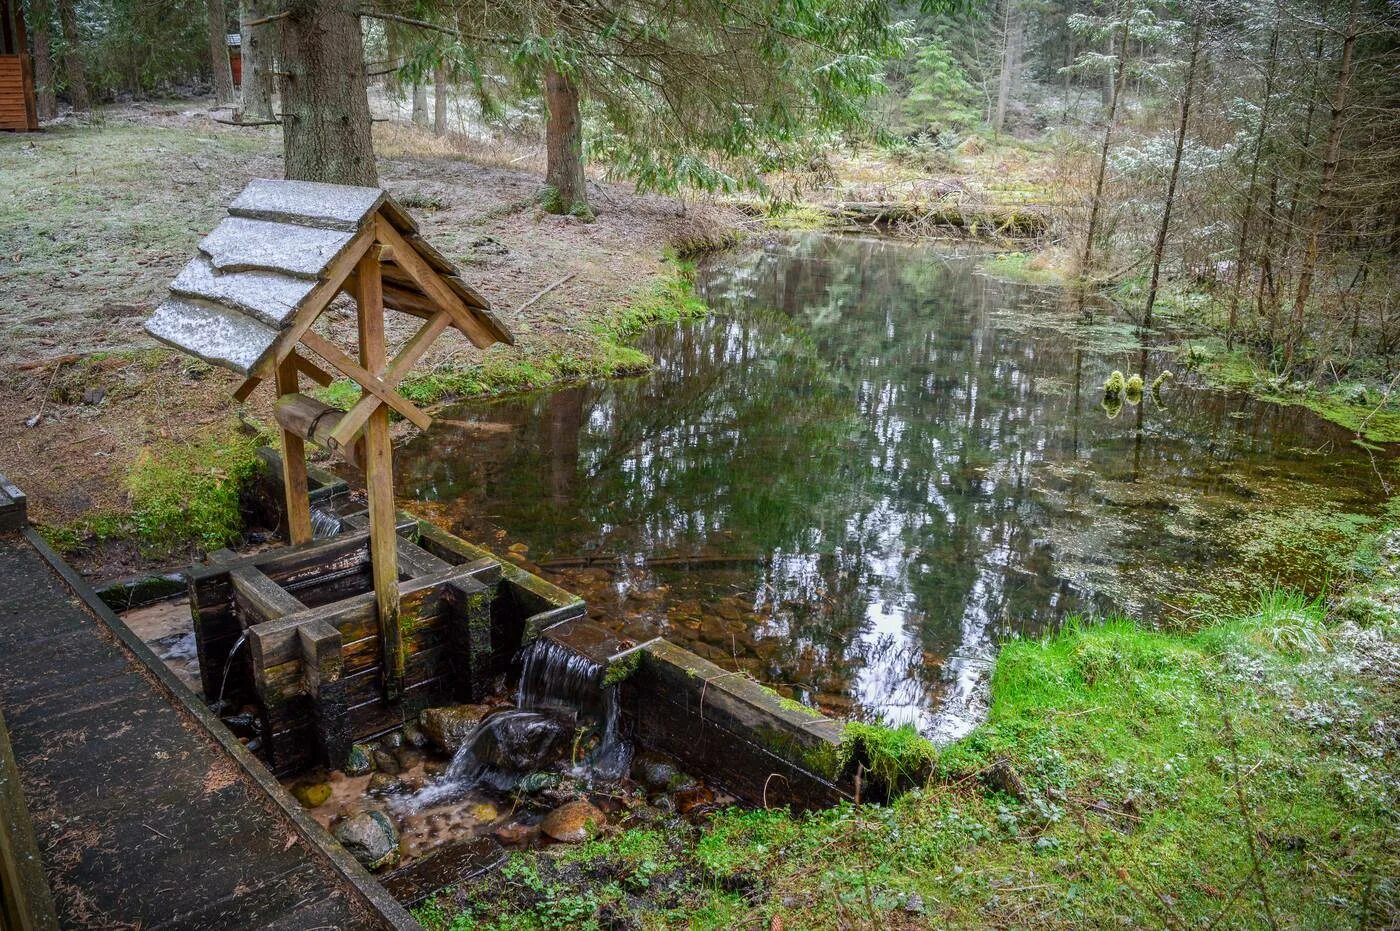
[(294, 463), (379, 477)]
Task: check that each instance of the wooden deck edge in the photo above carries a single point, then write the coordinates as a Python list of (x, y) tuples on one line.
[(25, 902), (372, 895)]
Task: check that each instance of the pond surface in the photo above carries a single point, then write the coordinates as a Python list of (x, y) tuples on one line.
[(872, 464)]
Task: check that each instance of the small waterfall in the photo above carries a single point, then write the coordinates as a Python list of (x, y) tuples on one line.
[(324, 524), (560, 697), (228, 667)]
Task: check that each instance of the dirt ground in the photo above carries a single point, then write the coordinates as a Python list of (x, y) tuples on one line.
[(97, 218)]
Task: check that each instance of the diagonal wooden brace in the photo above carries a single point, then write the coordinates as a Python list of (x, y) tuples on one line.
[(344, 433), (373, 384)]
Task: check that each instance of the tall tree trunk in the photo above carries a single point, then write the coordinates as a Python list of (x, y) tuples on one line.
[(1252, 193), (1323, 204), (1013, 29), (1110, 79), (218, 52), (257, 51), (325, 111), (440, 99), (1160, 246), (420, 104), (41, 29), (564, 144), (1094, 203), (73, 57)]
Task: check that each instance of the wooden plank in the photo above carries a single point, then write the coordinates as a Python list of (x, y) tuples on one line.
[(320, 297), (408, 258), (359, 415), (261, 597), (239, 244), (365, 377), (314, 421), (323, 663), (294, 484), (379, 477), (308, 203), (25, 904)]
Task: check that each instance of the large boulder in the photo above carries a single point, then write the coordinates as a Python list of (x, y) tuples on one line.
[(450, 725), (371, 838)]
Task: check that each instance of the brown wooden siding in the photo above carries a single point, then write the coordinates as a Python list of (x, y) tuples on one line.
[(16, 94)]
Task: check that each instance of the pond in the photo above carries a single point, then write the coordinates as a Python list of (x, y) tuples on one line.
[(872, 463)]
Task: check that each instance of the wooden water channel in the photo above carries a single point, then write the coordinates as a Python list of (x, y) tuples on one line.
[(123, 802)]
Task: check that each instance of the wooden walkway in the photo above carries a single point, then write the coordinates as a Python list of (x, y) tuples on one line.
[(147, 813)]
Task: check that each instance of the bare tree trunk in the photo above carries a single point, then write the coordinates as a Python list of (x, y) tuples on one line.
[(257, 52), (73, 57), (1084, 262), (1295, 196), (1110, 80), (1323, 204), (218, 52), (564, 144), (41, 29), (325, 111), (1252, 194), (420, 104), (440, 99), (1161, 245), (1012, 35)]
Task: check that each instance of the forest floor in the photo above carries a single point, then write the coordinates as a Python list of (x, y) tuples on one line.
[(96, 218), (1238, 772)]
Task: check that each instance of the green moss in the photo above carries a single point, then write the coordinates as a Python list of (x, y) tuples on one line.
[(1132, 391), (1020, 266), (508, 369), (1375, 422), (898, 758), (797, 217), (181, 497), (1114, 387), (622, 669)]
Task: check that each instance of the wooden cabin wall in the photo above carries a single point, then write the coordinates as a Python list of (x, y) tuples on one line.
[(18, 109)]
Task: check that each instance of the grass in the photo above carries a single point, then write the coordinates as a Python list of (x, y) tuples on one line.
[(1238, 774), (1376, 420), (181, 497), (604, 353)]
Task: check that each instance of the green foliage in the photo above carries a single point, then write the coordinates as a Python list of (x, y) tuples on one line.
[(189, 494), (181, 497), (939, 100), (898, 758), (702, 95), (133, 46)]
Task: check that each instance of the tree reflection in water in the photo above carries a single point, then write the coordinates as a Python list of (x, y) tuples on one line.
[(871, 464)]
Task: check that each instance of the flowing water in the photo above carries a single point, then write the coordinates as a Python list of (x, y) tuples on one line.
[(872, 464)]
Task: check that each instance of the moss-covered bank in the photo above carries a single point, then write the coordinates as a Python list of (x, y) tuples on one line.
[(1239, 774)]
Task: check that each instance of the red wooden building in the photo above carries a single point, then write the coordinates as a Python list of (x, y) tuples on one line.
[(17, 107)]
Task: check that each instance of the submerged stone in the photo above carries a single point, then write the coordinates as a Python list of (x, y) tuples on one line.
[(371, 838), (414, 736), (383, 783), (386, 763), (312, 794), (450, 725), (573, 822), (360, 760)]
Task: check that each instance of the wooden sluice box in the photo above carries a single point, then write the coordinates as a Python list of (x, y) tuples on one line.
[(308, 652)]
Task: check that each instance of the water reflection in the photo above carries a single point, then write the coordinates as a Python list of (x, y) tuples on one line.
[(870, 466)]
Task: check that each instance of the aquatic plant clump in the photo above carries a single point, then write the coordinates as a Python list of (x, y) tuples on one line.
[(1114, 387)]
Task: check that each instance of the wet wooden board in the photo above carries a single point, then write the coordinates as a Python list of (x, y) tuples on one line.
[(143, 817)]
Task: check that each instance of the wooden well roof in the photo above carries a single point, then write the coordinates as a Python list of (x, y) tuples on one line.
[(276, 252)]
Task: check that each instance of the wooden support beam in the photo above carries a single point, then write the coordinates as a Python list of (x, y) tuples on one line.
[(323, 668), (260, 597), (364, 377), (379, 477), (296, 490), (320, 297), (314, 422), (432, 284), (303, 366), (358, 415)]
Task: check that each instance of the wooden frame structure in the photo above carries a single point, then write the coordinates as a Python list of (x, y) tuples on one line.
[(18, 107), (249, 300)]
